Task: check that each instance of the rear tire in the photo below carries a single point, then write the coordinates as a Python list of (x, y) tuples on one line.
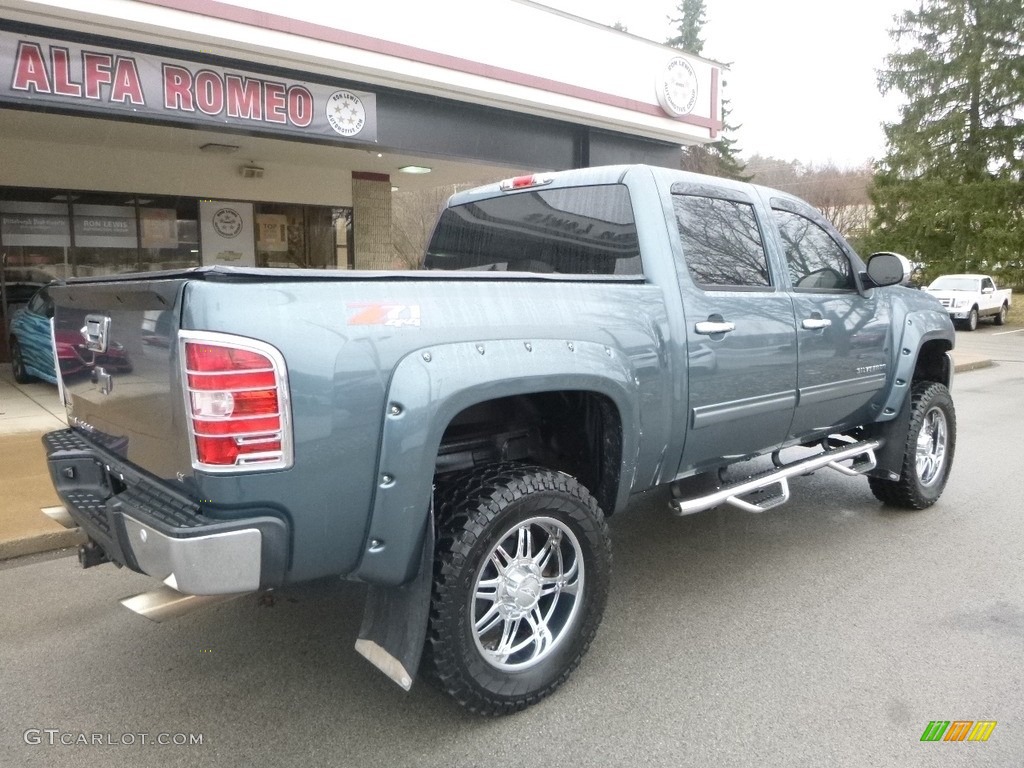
[(1000, 318), (930, 444), (521, 579), (18, 364)]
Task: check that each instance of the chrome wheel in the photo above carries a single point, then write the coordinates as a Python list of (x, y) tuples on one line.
[(931, 446), (520, 583), (527, 594), (930, 443)]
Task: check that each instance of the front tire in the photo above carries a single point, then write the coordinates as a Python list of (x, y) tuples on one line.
[(1000, 318), (971, 323), (521, 579), (929, 448), (21, 375)]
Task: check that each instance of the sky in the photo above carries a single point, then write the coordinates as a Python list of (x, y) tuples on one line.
[(803, 75)]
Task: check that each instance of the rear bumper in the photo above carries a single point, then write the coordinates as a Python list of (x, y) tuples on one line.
[(146, 526)]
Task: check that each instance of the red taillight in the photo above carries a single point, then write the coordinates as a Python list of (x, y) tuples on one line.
[(210, 358), (525, 182), (236, 400)]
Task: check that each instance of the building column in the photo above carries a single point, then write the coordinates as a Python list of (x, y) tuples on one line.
[(371, 220)]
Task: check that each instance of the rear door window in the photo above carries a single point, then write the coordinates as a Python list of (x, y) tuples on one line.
[(722, 244), (574, 230)]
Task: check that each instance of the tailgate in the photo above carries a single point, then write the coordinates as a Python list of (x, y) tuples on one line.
[(117, 355)]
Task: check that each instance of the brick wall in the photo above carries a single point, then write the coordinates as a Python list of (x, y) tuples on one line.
[(371, 221)]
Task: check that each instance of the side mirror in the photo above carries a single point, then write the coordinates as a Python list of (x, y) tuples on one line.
[(988, 290), (887, 268)]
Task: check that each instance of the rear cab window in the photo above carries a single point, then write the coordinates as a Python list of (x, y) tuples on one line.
[(572, 230)]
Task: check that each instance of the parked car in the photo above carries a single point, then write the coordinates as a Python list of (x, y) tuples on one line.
[(31, 344), (971, 297)]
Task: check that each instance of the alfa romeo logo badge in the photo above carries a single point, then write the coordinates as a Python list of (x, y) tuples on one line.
[(227, 222), (345, 113), (677, 87)]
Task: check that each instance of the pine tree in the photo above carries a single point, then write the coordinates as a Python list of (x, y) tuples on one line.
[(721, 157), (691, 24), (950, 191)]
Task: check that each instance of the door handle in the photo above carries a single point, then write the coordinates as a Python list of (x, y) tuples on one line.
[(815, 323), (710, 328)]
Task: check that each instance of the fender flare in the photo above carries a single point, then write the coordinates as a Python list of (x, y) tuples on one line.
[(432, 385), (919, 328)]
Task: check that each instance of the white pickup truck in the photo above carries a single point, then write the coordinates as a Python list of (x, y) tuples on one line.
[(970, 297)]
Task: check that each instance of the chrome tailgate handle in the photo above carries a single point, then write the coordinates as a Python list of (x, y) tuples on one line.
[(96, 332), (710, 328)]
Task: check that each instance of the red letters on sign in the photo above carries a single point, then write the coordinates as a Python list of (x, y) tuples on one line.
[(275, 102), (209, 91), (45, 68), (177, 88), (62, 83), (127, 84), (300, 106), (244, 97), (30, 69), (97, 72)]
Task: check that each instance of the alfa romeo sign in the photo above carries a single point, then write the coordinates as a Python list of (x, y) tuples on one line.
[(87, 78)]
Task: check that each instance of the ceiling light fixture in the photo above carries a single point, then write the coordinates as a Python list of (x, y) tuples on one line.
[(219, 149), (418, 169)]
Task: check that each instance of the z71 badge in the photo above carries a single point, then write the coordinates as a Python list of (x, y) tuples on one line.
[(391, 315)]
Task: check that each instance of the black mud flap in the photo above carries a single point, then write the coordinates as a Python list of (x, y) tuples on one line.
[(889, 458), (395, 620)]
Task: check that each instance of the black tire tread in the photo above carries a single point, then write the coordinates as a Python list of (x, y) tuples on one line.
[(22, 377), (904, 493), (464, 507), (1000, 316)]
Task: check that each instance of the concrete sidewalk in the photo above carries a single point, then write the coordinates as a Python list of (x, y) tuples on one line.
[(26, 412), (29, 410)]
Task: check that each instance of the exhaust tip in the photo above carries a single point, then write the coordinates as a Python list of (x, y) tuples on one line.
[(164, 603), (60, 515)]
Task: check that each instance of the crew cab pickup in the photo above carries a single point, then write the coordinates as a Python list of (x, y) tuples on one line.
[(968, 298), (455, 436)]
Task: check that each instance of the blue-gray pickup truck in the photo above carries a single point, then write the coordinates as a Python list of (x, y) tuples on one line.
[(455, 436)]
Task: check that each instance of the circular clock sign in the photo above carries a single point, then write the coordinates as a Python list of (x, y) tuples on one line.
[(677, 87)]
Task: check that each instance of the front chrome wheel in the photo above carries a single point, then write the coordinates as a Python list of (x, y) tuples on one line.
[(928, 448), (931, 446), (528, 592)]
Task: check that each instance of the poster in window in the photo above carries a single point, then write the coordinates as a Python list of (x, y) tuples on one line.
[(159, 227), (34, 224), (272, 232), (228, 233)]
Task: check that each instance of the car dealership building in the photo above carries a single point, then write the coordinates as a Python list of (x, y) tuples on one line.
[(162, 134)]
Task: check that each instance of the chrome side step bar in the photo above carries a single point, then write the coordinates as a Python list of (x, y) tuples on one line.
[(165, 603), (59, 515), (861, 455)]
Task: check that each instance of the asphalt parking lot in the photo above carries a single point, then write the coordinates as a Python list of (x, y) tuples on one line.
[(829, 631)]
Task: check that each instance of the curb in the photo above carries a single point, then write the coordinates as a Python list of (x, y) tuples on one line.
[(972, 365), (41, 542)]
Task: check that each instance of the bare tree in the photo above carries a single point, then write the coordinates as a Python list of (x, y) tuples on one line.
[(841, 194), (413, 215)]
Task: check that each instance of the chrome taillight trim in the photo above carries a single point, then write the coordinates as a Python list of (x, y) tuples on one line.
[(253, 462)]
